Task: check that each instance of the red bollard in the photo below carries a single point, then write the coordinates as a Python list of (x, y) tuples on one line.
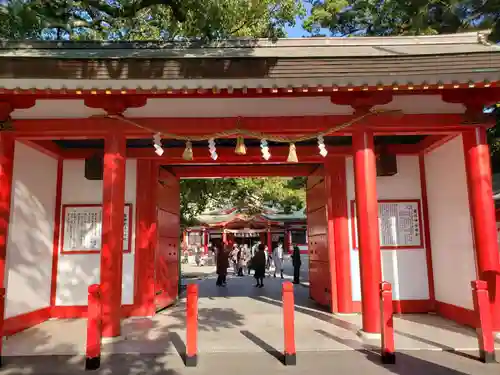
[(387, 349), (485, 325), (290, 355), (94, 333), (2, 317), (191, 359)]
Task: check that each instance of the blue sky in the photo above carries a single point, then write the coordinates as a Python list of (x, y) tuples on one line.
[(297, 31)]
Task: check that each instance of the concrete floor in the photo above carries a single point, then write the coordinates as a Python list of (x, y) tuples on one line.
[(241, 319), (240, 330)]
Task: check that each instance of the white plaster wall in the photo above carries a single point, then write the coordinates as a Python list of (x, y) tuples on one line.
[(233, 107), (77, 271), (405, 269), (31, 231), (452, 246)]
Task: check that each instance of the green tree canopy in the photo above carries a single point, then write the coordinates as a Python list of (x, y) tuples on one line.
[(146, 19), (397, 17), (250, 194)]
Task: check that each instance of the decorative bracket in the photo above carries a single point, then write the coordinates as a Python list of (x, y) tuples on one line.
[(474, 101), (8, 105), (361, 101), (115, 105)]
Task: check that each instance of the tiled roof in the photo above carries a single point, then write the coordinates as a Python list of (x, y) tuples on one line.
[(472, 42)]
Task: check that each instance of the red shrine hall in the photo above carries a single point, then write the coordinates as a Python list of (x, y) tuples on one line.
[(390, 133), (221, 227)]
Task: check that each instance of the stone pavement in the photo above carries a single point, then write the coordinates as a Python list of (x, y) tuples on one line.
[(335, 363), (240, 329)]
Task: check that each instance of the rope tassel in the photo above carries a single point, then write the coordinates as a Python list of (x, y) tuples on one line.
[(240, 146), (292, 154), (188, 151)]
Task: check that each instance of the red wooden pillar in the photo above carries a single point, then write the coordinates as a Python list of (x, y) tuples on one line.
[(338, 214), (269, 240), (144, 289), (224, 237), (482, 210), (365, 176), (262, 237), (113, 199), (205, 241), (6, 168), (184, 239), (286, 241)]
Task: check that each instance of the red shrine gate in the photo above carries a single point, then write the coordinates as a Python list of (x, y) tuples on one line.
[(415, 104)]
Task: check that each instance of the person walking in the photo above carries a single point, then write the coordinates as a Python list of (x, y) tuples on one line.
[(222, 266), (234, 258), (240, 258), (296, 262), (278, 259), (259, 266)]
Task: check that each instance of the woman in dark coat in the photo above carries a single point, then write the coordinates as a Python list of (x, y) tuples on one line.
[(259, 265), (222, 265), (296, 262)]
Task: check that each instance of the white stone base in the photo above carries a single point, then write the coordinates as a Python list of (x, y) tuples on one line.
[(345, 314), (367, 336), (112, 340)]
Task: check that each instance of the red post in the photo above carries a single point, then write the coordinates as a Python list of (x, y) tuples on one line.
[(113, 201), (224, 237), (192, 326), (485, 324), (286, 241), (2, 306), (290, 357), (7, 143), (269, 240), (365, 178), (339, 246), (387, 349), (482, 210), (205, 241), (94, 332)]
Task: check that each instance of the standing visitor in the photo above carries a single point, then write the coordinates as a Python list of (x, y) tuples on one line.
[(234, 258), (240, 258), (268, 260), (222, 265), (296, 262), (278, 259), (259, 266)]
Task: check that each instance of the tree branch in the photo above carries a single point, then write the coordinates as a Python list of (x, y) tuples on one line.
[(131, 10)]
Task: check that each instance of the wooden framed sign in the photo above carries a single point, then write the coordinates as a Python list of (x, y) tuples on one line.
[(400, 224), (82, 229)]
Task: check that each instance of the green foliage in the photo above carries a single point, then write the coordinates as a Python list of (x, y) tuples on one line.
[(146, 19), (394, 17), (249, 194)]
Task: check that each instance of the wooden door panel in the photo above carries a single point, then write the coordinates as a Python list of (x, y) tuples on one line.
[(167, 249)]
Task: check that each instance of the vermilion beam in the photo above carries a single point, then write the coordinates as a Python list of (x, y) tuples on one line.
[(46, 147), (279, 154), (98, 127), (243, 171), (434, 141)]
